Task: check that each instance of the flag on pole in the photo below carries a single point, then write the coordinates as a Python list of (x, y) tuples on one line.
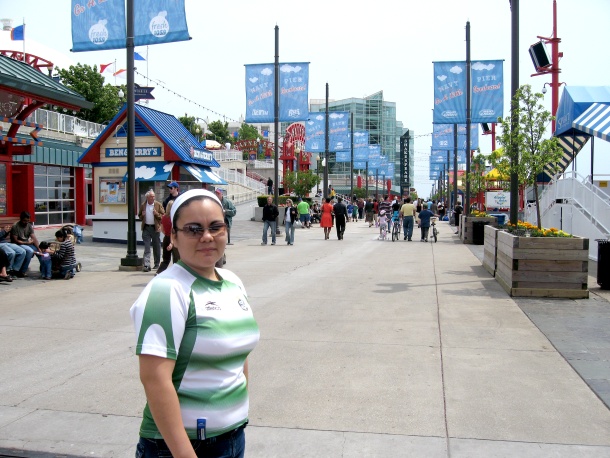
[(18, 33), (104, 67), (137, 56), (120, 73)]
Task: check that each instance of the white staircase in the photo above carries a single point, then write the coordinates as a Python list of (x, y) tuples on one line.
[(575, 205)]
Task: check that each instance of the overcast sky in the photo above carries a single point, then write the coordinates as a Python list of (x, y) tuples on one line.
[(357, 47)]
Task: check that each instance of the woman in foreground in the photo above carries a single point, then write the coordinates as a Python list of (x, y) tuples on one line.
[(194, 330)]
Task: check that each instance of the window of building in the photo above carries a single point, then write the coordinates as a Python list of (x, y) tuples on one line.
[(54, 194)]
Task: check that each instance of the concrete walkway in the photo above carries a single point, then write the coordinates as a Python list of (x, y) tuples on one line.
[(368, 349)]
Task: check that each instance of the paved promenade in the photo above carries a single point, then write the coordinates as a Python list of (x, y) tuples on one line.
[(368, 349)]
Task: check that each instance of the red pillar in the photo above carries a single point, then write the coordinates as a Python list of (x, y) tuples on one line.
[(80, 196)]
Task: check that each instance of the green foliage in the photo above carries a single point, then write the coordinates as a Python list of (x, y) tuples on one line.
[(248, 132), (220, 131), (189, 122), (89, 83), (360, 193), (301, 182), (477, 172), (526, 152)]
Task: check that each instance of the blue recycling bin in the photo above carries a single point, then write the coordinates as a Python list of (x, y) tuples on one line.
[(501, 217)]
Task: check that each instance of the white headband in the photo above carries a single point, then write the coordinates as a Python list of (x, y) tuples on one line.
[(189, 194)]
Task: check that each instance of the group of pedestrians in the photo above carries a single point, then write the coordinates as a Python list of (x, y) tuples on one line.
[(19, 244)]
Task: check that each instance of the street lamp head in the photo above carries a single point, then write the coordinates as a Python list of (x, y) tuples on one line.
[(121, 94), (544, 89)]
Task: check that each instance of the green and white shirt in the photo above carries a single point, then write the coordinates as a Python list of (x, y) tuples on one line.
[(208, 328)]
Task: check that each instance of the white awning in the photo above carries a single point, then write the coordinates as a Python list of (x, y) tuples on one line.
[(595, 121), (203, 174)]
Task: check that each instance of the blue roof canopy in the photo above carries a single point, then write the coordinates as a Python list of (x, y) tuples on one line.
[(574, 101)]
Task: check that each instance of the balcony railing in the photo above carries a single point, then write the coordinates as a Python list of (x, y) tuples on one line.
[(66, 124)]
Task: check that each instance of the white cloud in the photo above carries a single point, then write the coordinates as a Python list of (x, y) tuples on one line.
[(441, 77), (287, 68), (253, 80), (319, 117), (481, 66), (310, 122), (456, 69), (359, 134), (145, 172), (266, 71), (168, 167), (336, 115)]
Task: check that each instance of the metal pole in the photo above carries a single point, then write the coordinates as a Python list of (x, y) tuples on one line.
[(366, 179), (276, 116), (455, 165), (468, 119), (514, 83), (351, 168), (592, 156), (131, 260), (555, 68), (448, 202), (326, 142)]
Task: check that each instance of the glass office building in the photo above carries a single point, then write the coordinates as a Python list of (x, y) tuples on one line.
[(378, 116)]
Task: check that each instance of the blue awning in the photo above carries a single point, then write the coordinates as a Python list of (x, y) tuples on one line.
[(152, 171), (203, 174), (595, 121)]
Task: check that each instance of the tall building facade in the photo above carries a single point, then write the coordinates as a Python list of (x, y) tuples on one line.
[(378, 116)]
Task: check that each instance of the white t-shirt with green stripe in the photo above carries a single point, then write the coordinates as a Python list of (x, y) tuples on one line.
[(208, 328)]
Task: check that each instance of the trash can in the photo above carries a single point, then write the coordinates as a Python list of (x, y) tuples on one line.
[(501, 217), (603, 263), (478, 232)]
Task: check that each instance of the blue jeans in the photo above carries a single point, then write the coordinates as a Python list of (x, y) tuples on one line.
[(266, 226), (45, 267), (15, 255), (290, 232), (64, 269), (29, 252), (231, 445), (407, 224)]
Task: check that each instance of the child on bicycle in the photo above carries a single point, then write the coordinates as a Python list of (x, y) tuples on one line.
[(383, 224)]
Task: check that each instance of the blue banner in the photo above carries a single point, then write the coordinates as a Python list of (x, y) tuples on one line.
[(449, 92), (343, 156), (294, 92), (440, 157), (260, 90), (361, 145), (374, 156), (260, 87), (487, 90), (159, 21), (98, 25), (359, 165), (315, 128), (442, 136)]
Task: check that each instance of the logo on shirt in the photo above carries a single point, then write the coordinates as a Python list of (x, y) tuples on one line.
[(210, 305), (242, 304)]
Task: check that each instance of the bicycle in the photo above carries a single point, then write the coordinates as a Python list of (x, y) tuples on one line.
[(434, 230), (396, 230)]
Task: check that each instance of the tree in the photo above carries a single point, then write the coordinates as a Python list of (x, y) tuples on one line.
[(89, 83), (189, 122), (301, 182), (526, 144), (476, 176), (360, 193), (248, 132), (220, 130)]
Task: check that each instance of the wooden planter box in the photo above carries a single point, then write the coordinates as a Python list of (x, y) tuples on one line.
[(490, 249), (542, 266), (466, 222)]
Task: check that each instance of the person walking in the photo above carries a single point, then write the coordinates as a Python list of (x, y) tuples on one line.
[(269, 186), (230, 212), (304, 216), (368, 211), (457, 211), (360, 208), (407, 212), (169, 252), (194, 331), (424, 222), (326, 220), (151, 212), (270, 214), (174, 192), (291, 216), (340, 211)]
